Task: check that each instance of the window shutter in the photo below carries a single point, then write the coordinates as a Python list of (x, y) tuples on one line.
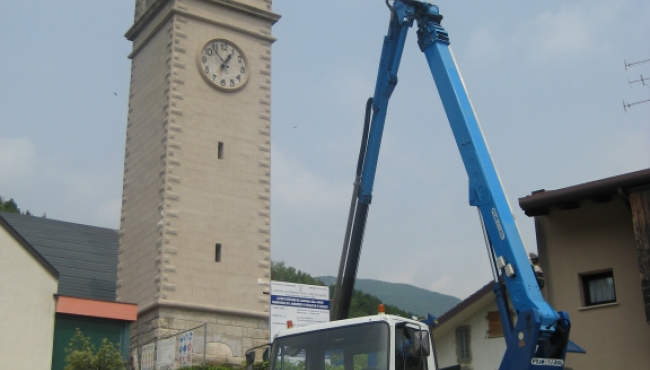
[(494, 324)]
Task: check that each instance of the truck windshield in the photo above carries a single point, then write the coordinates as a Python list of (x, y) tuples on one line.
[(358, 347)]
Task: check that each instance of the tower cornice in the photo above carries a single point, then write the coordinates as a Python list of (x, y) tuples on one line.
[(152, 15), (201, 308)]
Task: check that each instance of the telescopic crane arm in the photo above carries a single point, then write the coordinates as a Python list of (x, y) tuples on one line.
[(540, 337)]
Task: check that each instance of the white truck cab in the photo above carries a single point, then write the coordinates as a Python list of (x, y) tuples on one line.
[(381, 342)]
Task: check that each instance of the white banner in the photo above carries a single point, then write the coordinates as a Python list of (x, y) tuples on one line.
[(302, 304)]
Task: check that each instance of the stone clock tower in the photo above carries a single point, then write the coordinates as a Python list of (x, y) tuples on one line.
[(195, 224)]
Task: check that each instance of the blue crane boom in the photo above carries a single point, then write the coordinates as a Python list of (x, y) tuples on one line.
[(540, 337)]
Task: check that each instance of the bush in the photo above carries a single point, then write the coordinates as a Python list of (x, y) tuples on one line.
[(81, 355), (263, 365)]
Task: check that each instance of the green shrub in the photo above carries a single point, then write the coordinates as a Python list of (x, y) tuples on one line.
[(82, 355), (263, 365)]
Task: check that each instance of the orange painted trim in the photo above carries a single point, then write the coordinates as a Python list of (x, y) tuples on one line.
[(93, 308)]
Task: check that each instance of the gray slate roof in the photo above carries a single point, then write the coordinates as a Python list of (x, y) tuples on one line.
[(85, 256)]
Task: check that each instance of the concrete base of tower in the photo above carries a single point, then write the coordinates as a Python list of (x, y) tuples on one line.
[(217, 335)]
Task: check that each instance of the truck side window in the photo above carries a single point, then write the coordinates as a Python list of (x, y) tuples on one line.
[(405, 359), (290, 358)]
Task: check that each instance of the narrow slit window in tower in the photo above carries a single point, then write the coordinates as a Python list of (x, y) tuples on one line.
[(217, 252)]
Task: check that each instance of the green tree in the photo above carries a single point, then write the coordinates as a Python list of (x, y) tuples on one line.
[(280, 272), (9, 206), (362, 304), (82, 355)]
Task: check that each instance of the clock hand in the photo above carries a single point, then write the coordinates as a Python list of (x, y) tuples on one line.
[(225, 65), (217, 52)]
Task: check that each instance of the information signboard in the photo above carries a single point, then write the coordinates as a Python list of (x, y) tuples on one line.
[(302, 304), (166, 353), (185, 347), (147, 356)]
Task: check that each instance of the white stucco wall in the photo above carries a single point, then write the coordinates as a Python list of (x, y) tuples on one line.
[(27, 308), (486, 352)]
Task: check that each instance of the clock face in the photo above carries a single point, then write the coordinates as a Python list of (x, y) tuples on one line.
[(223, 65)]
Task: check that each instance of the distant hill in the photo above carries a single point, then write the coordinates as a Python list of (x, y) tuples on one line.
[(407, 297)]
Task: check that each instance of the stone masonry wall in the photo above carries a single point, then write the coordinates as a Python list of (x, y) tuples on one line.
[(227, 339)]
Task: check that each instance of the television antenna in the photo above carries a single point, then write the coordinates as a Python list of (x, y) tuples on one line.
[(642, 79)]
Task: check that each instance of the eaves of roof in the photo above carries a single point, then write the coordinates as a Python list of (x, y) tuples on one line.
[(96, 308), (540, 201), (467, 302)]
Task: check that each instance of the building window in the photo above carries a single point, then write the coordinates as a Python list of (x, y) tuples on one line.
[(598, 288), (463, 352), (217, 252), (220, 150)]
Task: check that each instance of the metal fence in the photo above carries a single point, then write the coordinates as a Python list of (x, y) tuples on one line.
[(185, 348)]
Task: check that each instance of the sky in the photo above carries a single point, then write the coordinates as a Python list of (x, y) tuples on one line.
[(547, 80)]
